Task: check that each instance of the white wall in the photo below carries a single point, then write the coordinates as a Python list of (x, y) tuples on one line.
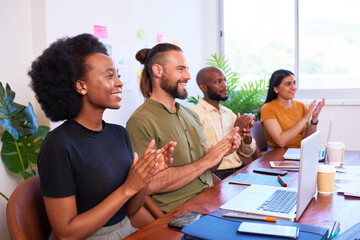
[(29, 26), (16, 56)]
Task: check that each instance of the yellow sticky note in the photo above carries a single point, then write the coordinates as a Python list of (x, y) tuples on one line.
[(176, 42), (138, 73), (141, 34)]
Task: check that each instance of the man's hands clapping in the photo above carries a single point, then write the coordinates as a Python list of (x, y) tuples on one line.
[(245, 123)]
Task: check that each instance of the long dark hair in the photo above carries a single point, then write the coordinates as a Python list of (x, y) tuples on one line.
[(149, 57), (275, 80)]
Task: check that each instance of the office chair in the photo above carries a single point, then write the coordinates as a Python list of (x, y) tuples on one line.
[(25, 212), (258, 133), (27, 218)]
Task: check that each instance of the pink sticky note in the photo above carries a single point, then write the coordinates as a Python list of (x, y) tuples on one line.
[(100, 31), (160, 38)]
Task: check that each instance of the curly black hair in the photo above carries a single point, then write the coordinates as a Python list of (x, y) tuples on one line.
[(54, 74)]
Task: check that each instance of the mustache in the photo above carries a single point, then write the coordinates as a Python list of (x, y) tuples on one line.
[(182, 81)]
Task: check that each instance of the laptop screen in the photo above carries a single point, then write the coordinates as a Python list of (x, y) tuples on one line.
[(308, 171)]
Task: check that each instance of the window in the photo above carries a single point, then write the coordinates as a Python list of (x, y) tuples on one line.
[(260, 36)]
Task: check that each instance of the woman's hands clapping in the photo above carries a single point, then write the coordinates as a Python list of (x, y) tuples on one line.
[(152, 162)]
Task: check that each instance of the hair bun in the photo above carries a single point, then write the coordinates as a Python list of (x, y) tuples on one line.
[(141, 55)]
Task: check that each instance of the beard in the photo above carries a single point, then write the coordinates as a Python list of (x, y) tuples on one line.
[(214, 96), (173, 90)]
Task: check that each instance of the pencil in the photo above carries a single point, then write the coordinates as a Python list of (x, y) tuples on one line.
[(267, 219)]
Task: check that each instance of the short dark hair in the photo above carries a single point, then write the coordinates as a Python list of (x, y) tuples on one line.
[(275, 80), (201, 76), (149, 57), (55, 72)]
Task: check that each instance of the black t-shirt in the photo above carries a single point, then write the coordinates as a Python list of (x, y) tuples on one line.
[(74, 160)]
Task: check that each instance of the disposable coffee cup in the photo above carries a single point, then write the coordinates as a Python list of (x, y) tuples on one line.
[(335, 153), (326, 178)]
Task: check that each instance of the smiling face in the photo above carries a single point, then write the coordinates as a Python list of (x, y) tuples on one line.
[(101, 86), (216, 88), (287, 88), (175, 75)]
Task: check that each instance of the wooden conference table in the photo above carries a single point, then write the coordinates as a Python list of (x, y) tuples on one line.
[(323, 210)]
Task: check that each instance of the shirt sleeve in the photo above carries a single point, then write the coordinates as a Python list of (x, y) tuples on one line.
[(54, 166), (140, 135), (267, 112), (247, 150)]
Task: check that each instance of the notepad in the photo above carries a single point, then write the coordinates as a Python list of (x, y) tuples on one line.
[(252, 178)]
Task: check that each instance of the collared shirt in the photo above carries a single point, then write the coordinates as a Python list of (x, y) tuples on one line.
[(217, 124), (152, 120)]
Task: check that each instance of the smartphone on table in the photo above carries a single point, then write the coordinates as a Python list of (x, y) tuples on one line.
[(185, 219), (270, 171), (269, 229)]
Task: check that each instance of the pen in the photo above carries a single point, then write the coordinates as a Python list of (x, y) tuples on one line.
[(267, 219), (281, 181), (335, 230)]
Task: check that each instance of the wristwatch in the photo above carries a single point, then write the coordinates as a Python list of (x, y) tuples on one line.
[(314, 123)]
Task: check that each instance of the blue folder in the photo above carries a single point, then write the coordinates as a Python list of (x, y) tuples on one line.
[(215, 227)]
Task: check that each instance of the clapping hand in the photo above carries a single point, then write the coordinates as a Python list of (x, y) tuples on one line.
[(164, 156), (317, 109), (142, 170), (245, 123)]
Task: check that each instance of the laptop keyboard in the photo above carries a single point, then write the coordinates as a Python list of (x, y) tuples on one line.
[(281, 201)]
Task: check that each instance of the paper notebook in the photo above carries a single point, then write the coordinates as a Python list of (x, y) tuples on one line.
[(248, 179)]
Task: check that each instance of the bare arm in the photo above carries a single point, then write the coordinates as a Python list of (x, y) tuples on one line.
[(314, 118), (284, 137), (174, 178), (165, 160), (68, 224)]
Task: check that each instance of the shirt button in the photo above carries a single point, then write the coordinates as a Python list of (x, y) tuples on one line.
[(191, 148)]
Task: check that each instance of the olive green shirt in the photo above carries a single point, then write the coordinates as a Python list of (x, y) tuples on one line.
[(152, 120)]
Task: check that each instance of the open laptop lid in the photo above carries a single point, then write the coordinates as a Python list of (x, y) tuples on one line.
[(249, 200), (308, 171), (328, 137)]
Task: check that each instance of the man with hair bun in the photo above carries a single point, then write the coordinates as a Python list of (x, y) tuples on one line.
[(160, 117)]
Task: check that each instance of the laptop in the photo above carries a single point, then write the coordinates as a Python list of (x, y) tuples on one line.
[(294, 153), (255, 198)]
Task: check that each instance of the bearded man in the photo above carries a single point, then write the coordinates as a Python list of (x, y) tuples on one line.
[(218, 121), (160, 117)]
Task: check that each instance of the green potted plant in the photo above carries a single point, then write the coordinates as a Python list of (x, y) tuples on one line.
[(22, 136), (243, 97)]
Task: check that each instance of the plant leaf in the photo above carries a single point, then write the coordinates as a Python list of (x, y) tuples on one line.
[(17, 119), (193, 100), (29, 147)]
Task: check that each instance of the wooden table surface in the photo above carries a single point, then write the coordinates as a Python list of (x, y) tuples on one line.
[(323, 209)]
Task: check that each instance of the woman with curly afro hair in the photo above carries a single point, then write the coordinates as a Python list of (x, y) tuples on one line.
[(90, 178)]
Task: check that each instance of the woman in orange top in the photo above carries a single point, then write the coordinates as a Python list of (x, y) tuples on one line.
[(285, 120)]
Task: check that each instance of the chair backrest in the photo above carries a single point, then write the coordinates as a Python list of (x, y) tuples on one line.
[(257, 131), (25, 212)]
